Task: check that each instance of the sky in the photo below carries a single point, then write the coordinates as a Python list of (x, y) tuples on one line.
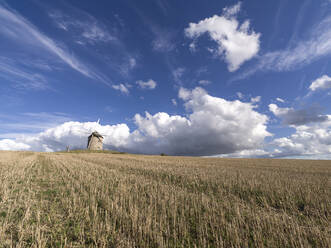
[(217, 78)]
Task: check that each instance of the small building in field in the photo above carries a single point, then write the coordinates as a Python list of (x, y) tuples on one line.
[(95, 141)]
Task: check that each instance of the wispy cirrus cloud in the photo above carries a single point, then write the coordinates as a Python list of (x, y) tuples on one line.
[(163, 41), (21, 77), (317, 45), (18, 29), (178, 73), (87, 28)]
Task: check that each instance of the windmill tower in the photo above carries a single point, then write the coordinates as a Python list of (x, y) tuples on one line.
[(94, 141)]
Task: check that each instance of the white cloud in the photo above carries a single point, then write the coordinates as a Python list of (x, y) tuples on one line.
[(204, 82), (149, 84), (240, 95), (253, 153), (75, 135), (121, 87), (174, 102), (184, 93), (8, 144), (312, 140), (236, 42), (232, 10), (256, 99), (214, 126), (128, 64), (323, 82), (280, 100), (132, 62), (298, 117), (193, 46), (278, 111)]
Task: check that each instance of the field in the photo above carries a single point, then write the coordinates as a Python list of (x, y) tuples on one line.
[(123, 200)]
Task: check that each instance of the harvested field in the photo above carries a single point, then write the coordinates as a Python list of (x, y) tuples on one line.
[(123, 200)]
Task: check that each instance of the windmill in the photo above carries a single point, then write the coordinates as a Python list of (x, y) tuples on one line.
[(95, 140)]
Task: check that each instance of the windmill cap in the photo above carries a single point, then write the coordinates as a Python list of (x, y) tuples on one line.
[(96, 134)]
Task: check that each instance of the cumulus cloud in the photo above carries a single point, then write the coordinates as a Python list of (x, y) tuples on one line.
[(75, 135), (213, 126), (298, 117), (121, 87), (312, 140), (184, 93), (253, 153), (174, 102), (321, 83), (236, 42), (8, 144), (240, 95), (256, 99), (149, 84)]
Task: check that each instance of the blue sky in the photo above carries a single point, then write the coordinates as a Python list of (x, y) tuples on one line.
[(227, 78)]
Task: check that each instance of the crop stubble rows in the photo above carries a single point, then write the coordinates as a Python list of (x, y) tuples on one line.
[(118, 200)]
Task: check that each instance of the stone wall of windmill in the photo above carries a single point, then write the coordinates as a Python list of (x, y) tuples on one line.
[(95, 141)]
